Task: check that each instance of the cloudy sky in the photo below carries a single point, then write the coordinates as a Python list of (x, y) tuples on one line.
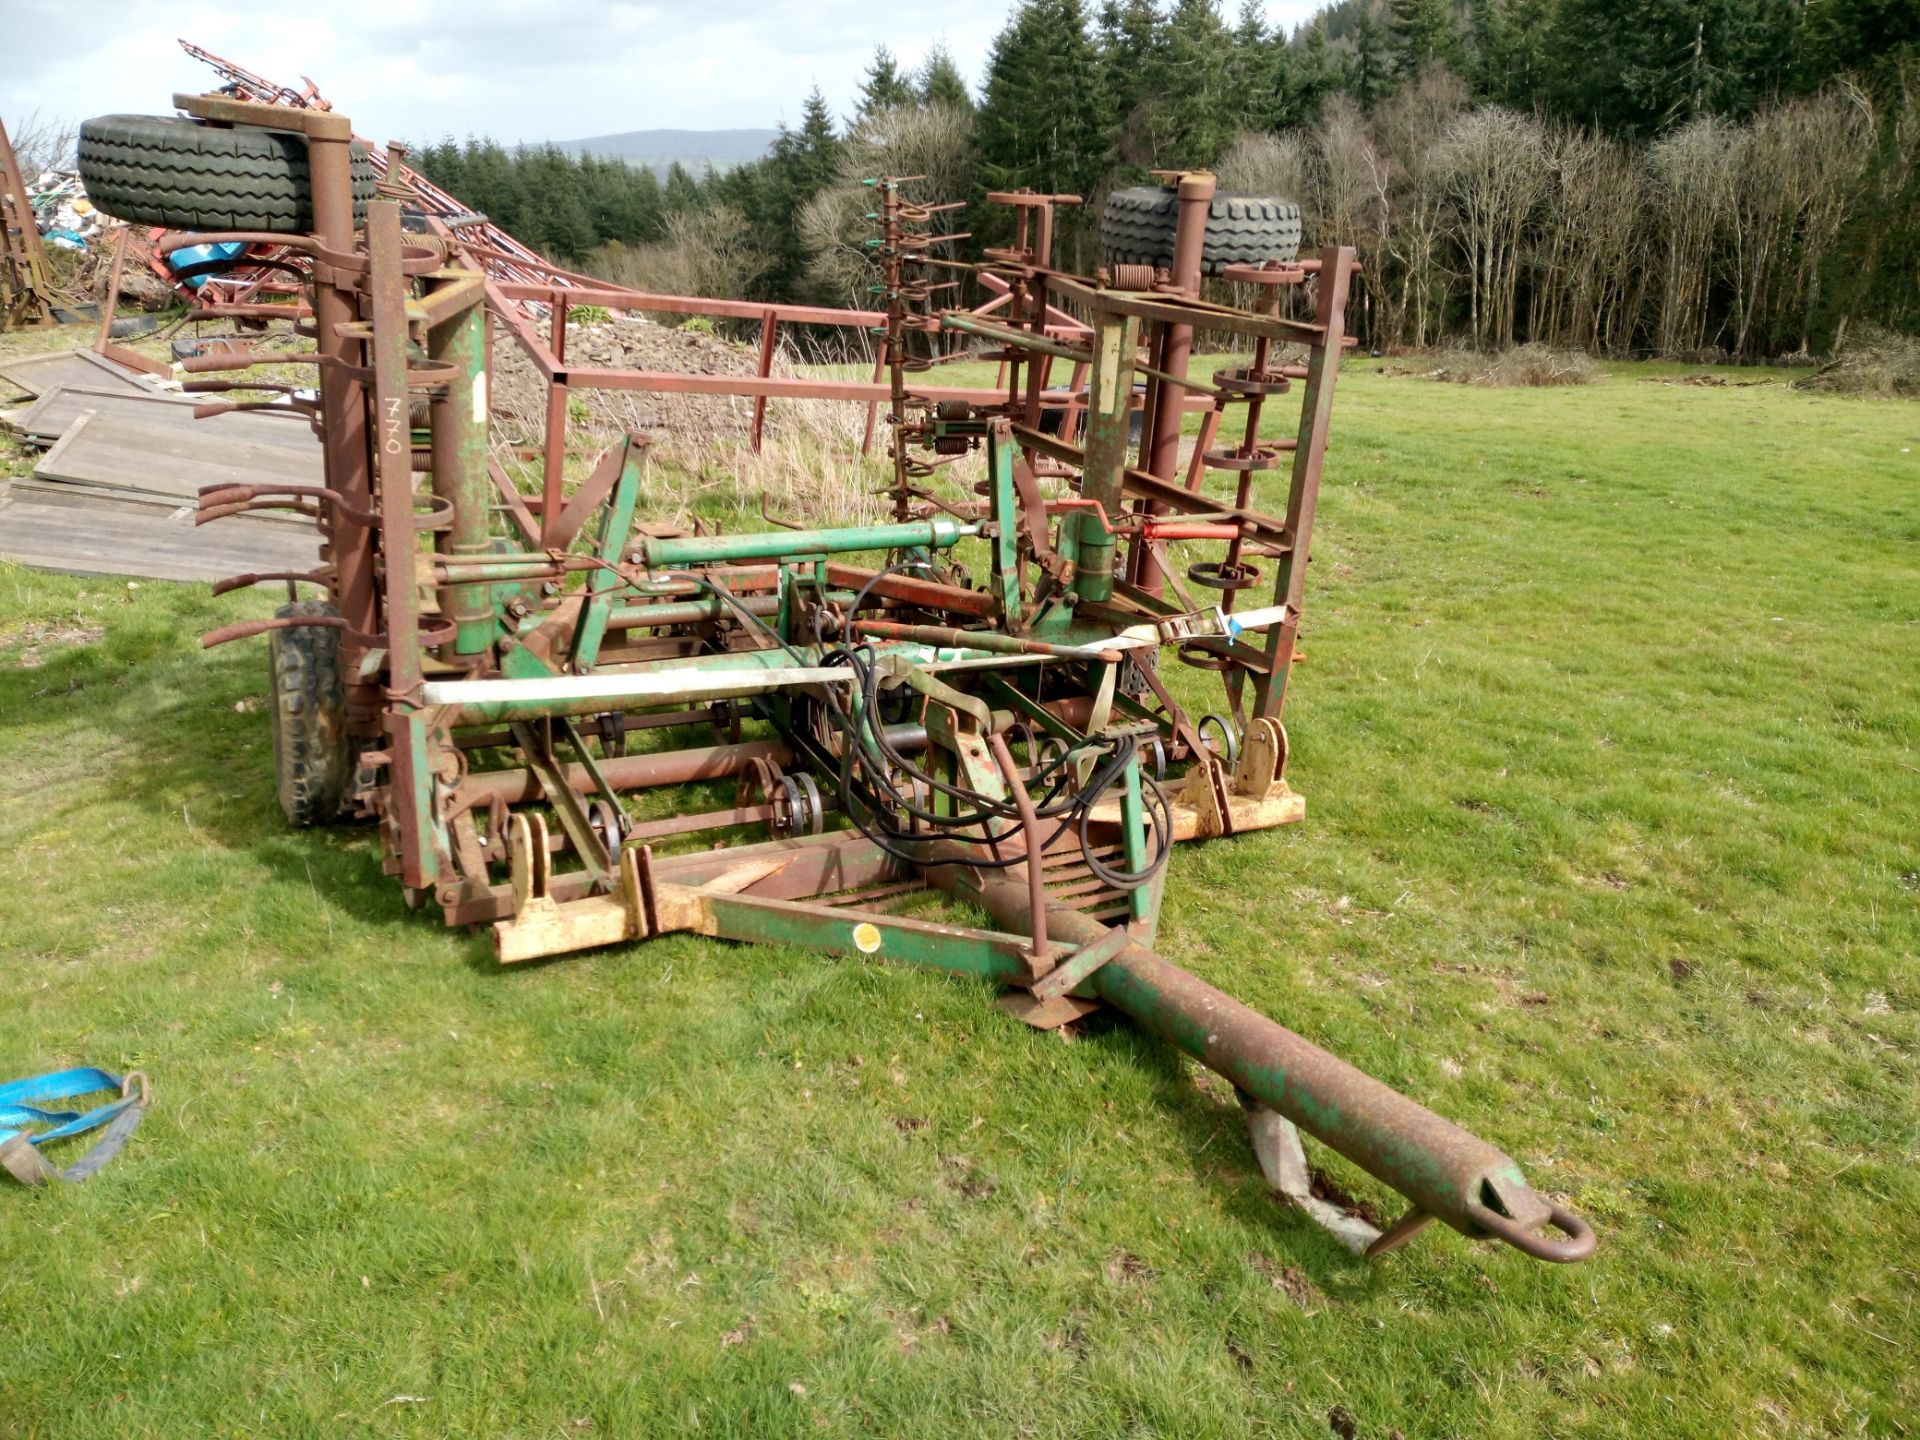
[(515, 69)]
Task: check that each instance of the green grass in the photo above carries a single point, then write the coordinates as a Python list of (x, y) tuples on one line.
[(1608, 731)]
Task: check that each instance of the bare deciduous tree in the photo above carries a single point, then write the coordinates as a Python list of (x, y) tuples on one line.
[(933, 141), (42, 142), (1408, 125), (1264, 164), (704, 252), (1261, 164), (1494, 164), (1818, 148), (1588, 279), (1690, 191), (1347, 179), (1710, 240)]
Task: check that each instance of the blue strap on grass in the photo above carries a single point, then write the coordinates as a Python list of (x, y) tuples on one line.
[(19, 1107)]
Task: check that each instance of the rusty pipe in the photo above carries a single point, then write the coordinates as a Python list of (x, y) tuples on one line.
[(1185, 530), (626, 772), (1445, 1171), (1195, 202), (951, 638), (910, 590), (343, 406)]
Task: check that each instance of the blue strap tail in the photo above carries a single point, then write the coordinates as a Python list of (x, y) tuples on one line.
[(120, 1115)]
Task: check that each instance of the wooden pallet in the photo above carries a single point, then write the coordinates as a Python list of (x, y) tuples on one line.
[(72, 531), (37, 374), (56, 411), (122, 452)]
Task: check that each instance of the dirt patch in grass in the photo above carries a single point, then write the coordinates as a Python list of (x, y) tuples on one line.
[(1291, 1281), (37, 639), (1708, 380), (964, 1180), (1324, 1187)]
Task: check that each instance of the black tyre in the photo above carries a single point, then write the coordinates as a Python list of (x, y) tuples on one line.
[(312, 759), (1138, 223), (186, 175)]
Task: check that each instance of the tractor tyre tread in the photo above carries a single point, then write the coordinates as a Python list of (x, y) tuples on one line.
[(312, 758), (186, 175), (1138, 223)]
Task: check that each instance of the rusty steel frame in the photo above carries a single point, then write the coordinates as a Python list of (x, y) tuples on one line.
[(866, 714), (525, 289), (26, 284)]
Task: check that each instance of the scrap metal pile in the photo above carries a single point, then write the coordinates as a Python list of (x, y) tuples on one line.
[(970, 699)]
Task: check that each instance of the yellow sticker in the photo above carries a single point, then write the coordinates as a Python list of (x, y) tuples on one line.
[(866, 936)]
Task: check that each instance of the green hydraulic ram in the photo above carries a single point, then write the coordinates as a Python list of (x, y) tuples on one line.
[(936, 534), (460, 476), (1446, 1172)]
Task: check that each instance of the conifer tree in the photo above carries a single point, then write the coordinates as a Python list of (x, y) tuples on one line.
[(884, 87), (1253, 93), (1511, 45), (1873, 39), (940, 81), (1130, 47), (1261, 96), (1192, 87), (803, 163), (1636, 66), (681, 191), (1039, 121), (1422, 33), (1316, 71), (1371, 70)]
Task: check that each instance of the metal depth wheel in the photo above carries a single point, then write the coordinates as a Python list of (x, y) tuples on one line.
[(1228, 749), (610, 823), (1218, 575), (798, 810), (1157, 754), (759, 783)]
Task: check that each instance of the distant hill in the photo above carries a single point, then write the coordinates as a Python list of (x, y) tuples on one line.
[(695, 149)]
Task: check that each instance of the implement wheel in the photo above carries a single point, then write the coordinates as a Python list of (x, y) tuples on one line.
[(312, 760), (1137, 229), (187, 175)]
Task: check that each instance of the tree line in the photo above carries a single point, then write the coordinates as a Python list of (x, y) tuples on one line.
[(1678, 177)]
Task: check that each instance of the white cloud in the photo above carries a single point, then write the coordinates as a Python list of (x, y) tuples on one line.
[(514, 69)]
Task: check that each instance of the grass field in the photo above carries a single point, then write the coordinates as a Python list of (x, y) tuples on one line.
[(1609, 728)]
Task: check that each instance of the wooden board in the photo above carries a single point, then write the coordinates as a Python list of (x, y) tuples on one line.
[(54, 413), (37, 374), (126, 453), (80, 534), (27, 487)]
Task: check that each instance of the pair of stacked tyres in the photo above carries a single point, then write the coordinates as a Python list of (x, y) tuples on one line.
[(1137, 228)]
